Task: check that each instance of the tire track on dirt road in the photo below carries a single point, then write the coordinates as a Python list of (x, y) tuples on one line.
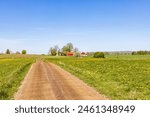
[(46, 81)]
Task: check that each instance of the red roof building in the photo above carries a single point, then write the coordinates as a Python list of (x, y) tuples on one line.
[(70, 53), (83, 54)]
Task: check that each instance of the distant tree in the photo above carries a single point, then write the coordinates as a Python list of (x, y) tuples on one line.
[(134, 53), (24, 52), (64, 51), (59, 52), (69, 47), (99, 55), (53, 51), (7, 51), (141, 52), (57, 49)]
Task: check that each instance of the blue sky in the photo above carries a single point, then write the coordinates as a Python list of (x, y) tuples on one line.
[(91, 25)]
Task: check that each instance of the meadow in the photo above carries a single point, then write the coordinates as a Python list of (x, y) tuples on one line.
[(116, 77), (12, 71), (123, 77)]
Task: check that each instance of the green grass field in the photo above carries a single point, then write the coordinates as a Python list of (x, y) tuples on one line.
[(12, 71), (122, 77), (125, 77)]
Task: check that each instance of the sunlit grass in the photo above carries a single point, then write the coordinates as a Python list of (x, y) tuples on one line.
[(12, 72), (123, 78)]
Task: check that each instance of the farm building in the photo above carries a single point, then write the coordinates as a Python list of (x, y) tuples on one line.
[(83, 54), (70, 53)]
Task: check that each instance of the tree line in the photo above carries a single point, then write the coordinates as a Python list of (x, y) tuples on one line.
[(141, 52), (8, 51)]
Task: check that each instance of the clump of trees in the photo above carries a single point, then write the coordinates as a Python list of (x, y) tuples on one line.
[(8, 51), (141, 52), (67, 48), (56, 51), (99, 55)]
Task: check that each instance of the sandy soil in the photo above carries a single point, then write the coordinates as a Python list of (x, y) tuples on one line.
[(46, 81)]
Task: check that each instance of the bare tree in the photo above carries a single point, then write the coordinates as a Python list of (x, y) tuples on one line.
[(57, 49)]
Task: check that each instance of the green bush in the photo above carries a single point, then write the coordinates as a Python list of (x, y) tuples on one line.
[(99, 55), (24, 52)]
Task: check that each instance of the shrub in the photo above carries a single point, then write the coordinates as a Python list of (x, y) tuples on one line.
[(24, 52), (99, 55)]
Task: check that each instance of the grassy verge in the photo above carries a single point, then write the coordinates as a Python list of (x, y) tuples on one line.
[(12, 72)]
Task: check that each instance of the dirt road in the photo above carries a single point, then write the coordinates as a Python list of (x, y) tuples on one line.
[(46, 81)]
